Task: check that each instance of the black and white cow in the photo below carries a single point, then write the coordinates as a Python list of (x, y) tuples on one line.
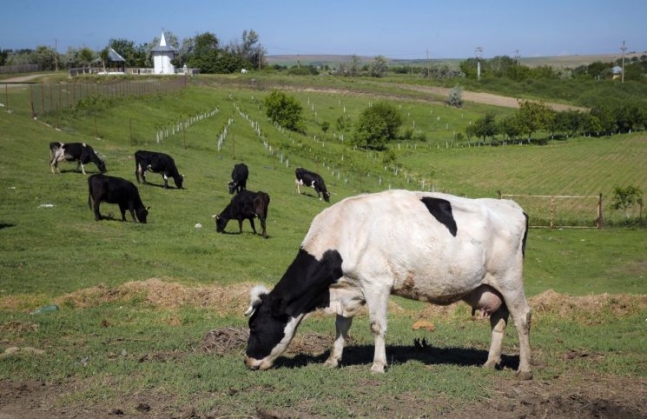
[(238, 178), (157, 163), (81, 153), (115, 190), (245, 205), (313, 180), (424, 246)]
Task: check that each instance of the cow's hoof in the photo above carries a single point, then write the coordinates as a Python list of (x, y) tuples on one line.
[(331, 363), (524, 375), (377, 369)]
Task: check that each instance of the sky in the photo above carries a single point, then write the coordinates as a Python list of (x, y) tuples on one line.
[(404, 29)]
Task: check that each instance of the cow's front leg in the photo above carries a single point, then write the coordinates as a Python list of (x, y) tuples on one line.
[(377, 301), (342, 325), (165, 181), (122, 209)]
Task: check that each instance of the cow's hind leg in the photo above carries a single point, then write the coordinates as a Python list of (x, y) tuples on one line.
[(263, 227), (95, 207), (377, 300), (517, 305), (342, 325)]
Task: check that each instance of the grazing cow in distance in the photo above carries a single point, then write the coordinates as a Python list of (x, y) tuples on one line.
[(115, 190), (423, 246), (82, 153), (245, 205), (157, 163), (313, 180), (239, 178)]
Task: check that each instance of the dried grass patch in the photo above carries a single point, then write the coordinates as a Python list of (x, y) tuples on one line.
[(588, 308)]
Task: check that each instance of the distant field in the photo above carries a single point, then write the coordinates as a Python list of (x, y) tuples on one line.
[(566, 61)]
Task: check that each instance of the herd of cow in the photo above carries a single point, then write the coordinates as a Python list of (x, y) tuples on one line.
[(424, 246), (245, 205)]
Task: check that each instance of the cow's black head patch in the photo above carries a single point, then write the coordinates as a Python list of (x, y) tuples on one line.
[(266, 327)]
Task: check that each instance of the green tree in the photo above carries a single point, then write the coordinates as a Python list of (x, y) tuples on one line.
[(379, 67), (204, 53), (510, 126), (376, 126), (533, 116), (285, 110), (46, 57), (354, 66), (486, 127), (626, 198)]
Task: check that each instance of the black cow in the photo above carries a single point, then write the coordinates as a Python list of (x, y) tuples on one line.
[(245, 205), (157, 163), (115, 190), (239, 178), (79, 152), (313, 180)]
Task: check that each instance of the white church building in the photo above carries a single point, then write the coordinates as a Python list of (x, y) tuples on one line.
[(162, 56)]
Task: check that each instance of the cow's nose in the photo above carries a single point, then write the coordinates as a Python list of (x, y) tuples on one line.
[(251, 363)]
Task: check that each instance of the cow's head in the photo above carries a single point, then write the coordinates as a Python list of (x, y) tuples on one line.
[(326, 196), (178, 179), (102, 166), (270, 329), (142, 213), (221, 222)]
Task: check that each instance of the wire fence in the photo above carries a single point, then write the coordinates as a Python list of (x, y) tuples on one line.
[(561, 211), (51, 98)]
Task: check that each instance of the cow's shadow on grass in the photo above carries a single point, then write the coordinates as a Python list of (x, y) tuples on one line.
[(244, 233), (156, 185), (6, 225), (87, 172), (400, 354)]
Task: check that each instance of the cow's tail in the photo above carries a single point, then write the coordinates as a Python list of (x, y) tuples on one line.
[(525, 236)]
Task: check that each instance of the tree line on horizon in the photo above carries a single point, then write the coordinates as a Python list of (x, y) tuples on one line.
[(204, 51)]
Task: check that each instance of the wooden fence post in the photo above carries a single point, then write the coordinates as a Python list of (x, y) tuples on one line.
[(600, 216)]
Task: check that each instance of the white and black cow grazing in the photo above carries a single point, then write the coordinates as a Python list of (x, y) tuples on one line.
[(313, 180), (238, 178), (245, 205), (425, 246), (115, 190), (157, 163), (79, 152)]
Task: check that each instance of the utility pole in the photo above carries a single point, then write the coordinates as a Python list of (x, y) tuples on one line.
[(623, 48), (427, 62), (479, 52), (56, 54)]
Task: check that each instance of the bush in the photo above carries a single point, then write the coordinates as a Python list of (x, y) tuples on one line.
[(285, 110), (377, 125)]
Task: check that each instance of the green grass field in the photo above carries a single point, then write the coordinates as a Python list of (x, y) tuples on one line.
[(108, 350)]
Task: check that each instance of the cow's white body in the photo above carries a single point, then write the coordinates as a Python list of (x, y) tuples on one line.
[(390, 243)]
